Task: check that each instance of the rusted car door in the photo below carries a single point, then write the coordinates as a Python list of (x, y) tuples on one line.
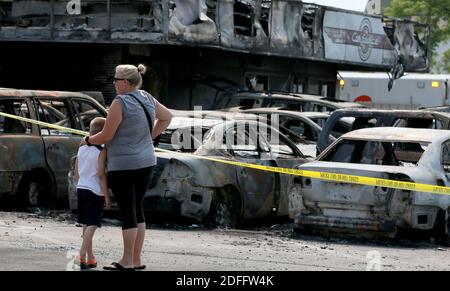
[(286, 155), (258, 188), (59, 146), (62, 146), (445, 163), (84, 111), (21, 148)]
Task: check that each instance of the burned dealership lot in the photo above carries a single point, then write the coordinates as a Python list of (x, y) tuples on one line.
[(265, 74)]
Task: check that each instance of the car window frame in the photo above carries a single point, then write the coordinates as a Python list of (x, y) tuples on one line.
[(442, 156), (31, 114), (297, 152), (260, 140), (36, 101), (75, 111)]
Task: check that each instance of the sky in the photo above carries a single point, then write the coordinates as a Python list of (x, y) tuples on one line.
[(358, 5)]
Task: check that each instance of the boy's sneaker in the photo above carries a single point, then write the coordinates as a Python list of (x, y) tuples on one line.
[(84, 266), (91, 263), (81, 263)]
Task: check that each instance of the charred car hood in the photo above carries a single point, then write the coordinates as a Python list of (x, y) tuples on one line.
[(206, 173)]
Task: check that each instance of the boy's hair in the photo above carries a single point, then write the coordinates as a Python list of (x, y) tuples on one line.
[(96, 125)]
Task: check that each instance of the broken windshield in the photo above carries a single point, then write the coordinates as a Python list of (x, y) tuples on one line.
[(386, 153)]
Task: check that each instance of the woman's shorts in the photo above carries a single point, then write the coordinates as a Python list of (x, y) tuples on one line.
[(90, 207)]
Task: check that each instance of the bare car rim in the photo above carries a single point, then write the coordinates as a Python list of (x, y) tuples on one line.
[(33, 194), (226, 210)]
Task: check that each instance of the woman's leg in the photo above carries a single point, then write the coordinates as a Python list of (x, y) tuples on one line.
[(129, 228), (139, 244), (122, 186), (142, 184), (129, 239)]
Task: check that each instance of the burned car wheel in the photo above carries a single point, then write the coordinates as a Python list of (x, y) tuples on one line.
[(442, 229), (34, 191), (225, 210), (447, 236)]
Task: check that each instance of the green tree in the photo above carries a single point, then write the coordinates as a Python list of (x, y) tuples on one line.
[(444, 66), (433, 12)]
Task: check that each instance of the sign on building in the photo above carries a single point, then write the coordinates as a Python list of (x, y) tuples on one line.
[(356, 38)]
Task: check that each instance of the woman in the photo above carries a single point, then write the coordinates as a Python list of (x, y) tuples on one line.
[(131, 155)]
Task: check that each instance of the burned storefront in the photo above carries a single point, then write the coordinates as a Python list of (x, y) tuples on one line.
[(198, 49)]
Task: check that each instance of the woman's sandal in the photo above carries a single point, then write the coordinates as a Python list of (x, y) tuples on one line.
[(142, 267), (117, 267)]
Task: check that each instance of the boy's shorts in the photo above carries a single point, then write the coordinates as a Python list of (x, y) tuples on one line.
[(90, 207)]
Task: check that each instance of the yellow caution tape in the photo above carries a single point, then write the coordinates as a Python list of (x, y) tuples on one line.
[(334, 177), (57, 127)]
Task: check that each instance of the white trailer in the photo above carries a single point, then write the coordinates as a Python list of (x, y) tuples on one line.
[(412, 91)]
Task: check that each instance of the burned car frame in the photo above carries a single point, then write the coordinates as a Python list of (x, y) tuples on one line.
[(34, 160), (297, 126), (302, 128), (188, 133), (211, 192), (401, 154), (224, 194), (345, 120)]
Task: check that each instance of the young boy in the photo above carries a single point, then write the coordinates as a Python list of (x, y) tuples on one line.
[(92, 190)]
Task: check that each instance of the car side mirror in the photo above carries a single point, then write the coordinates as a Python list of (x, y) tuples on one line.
[(447, 169)]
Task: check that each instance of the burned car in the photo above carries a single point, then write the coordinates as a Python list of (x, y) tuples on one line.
[(224, 194), (345, 120), (300, 127), (188, 133), (216, 193), (34, 160), (400, 154)]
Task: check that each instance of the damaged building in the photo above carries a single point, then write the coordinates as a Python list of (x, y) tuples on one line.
[(197, 49)]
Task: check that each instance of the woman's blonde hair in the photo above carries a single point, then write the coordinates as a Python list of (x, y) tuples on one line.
[(131, 73)]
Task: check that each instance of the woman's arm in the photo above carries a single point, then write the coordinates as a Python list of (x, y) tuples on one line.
[(113, 121), (163, 119)]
